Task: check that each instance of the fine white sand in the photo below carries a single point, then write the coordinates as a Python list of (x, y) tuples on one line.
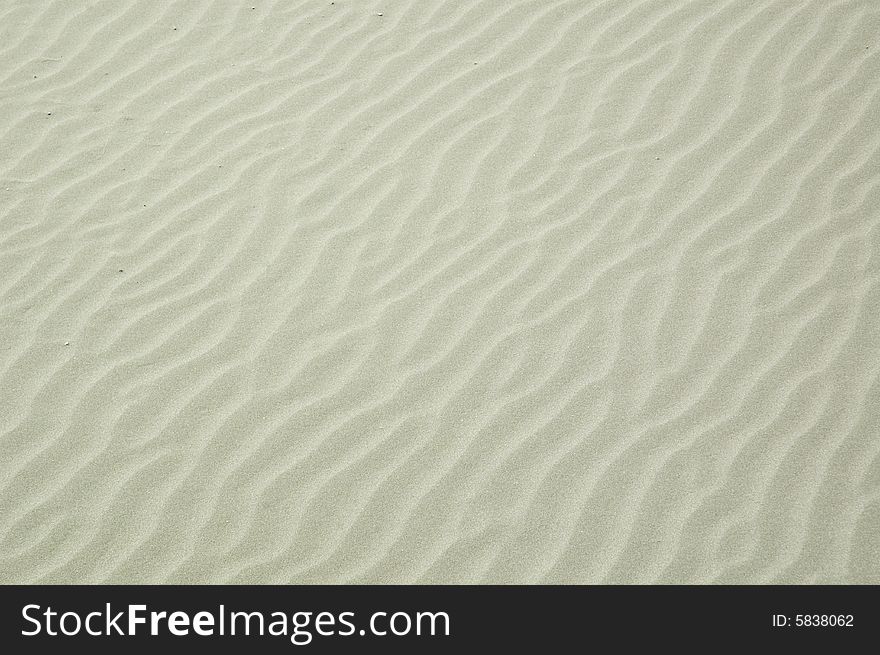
[(439, 291)]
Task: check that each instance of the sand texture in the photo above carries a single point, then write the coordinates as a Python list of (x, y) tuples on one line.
[(440, 291)]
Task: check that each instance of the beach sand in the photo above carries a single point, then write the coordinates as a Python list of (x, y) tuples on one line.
[(440, 291)]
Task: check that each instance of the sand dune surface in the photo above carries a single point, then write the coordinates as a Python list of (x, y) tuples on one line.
[(440, 291)]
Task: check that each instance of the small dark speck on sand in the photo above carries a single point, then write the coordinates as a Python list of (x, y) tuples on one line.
[(66, 343), (656, 159), (120, 270)]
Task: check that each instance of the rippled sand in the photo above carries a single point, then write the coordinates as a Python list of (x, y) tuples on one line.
[(440, 291)]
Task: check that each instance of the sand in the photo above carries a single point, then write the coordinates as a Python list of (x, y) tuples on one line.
[(440, 291)]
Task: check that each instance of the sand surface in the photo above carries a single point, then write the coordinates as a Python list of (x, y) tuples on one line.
[(439, 291)]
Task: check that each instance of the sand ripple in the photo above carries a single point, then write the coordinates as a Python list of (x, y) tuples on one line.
[(497, 291)]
